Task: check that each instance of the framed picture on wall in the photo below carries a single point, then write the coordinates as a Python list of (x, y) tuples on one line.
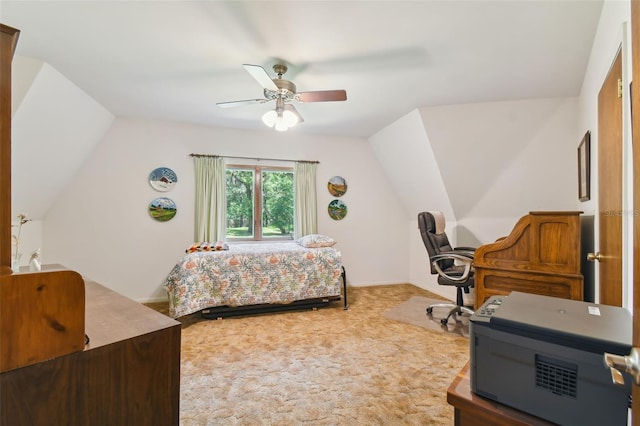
[(584, 168)]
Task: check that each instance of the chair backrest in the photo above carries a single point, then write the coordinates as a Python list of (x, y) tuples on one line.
[(431, 226)]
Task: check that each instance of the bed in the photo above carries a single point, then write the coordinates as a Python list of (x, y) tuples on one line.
[(248, 278)]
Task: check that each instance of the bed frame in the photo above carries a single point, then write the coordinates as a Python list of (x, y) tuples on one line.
[(221, 312)]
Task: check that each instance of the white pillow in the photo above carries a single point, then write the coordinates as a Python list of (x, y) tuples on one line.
[(315, 240)]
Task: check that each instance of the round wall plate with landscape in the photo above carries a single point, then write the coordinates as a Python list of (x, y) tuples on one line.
[(162, 209), (337, 209), (337, 186), (163, 179)]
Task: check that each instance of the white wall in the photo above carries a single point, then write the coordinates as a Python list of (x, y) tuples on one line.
[(484, 165), (609, 38), (504, 159), (528, 179), (100, 226), (404, 150), (55, 126), (405, 153)]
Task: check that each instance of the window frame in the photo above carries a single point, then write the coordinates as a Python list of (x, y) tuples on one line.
[(258, 201)]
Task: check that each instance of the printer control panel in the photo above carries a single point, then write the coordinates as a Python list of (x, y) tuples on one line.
[(489, 307), (484, 313)]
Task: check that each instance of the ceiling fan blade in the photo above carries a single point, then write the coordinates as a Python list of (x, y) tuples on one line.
[(322, 96), (289, 107), (241, 103), (261, 76)]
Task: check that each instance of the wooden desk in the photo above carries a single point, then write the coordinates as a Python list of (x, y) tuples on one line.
[(129, 373), (541, 255), (473, 410)]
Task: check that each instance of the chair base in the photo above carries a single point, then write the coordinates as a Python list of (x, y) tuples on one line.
[(453, 310)]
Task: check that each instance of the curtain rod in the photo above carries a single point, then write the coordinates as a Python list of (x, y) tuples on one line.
[(254, 158)]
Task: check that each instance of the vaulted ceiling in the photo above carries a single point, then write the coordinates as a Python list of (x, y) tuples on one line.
[(175, 60)]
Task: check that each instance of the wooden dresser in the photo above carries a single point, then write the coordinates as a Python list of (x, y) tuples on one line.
[(473, 410), (541, 255), (129, 373)]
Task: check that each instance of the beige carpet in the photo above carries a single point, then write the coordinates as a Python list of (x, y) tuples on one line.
[(413, 311), (324, 367)]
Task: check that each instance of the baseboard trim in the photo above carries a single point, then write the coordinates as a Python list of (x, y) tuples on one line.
[(369, 284), (159, 299)]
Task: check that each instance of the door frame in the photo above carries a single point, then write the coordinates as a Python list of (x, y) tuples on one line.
[(625, 49), (627, 170)]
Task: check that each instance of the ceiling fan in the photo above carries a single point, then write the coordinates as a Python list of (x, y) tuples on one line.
[(283, 92)]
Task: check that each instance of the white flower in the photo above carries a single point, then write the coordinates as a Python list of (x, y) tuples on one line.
[(15, 239)]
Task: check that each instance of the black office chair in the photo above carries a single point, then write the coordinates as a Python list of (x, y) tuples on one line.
[(454, 266)]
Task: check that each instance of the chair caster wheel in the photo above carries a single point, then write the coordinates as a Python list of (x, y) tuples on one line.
[(429, 311), (444, 321)]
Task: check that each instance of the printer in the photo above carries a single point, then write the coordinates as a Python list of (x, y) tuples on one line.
[(545, 356)]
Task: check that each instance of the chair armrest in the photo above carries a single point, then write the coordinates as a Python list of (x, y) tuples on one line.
[(466, 258), (466, 253), (455, 254), (469, 249), (450, 255)]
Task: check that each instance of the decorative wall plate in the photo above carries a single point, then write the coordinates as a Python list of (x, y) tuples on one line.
[(337, 186), (337, 209), (162, 209), (163, 179)]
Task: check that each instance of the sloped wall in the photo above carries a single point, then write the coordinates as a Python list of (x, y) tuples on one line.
[(501, 160), (406, 156), (55, 127), (405, 153), (24, 71), (484, 165)]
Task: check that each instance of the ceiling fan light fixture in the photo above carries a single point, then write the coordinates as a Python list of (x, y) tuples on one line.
[(282, 117), (276, 120), (269, 118), (290, 118), (281, 91), (281, 125)]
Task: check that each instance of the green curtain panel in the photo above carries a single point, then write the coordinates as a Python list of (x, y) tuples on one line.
[(306, 212), (211, 199)]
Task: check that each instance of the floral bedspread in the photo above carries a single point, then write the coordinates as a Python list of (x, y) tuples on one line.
[(250, 274)]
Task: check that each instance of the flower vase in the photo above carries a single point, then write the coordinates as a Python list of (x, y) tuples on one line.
[(15, 265), (34, 262)]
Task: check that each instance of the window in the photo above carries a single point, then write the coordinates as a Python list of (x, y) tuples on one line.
[(259, 203)]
